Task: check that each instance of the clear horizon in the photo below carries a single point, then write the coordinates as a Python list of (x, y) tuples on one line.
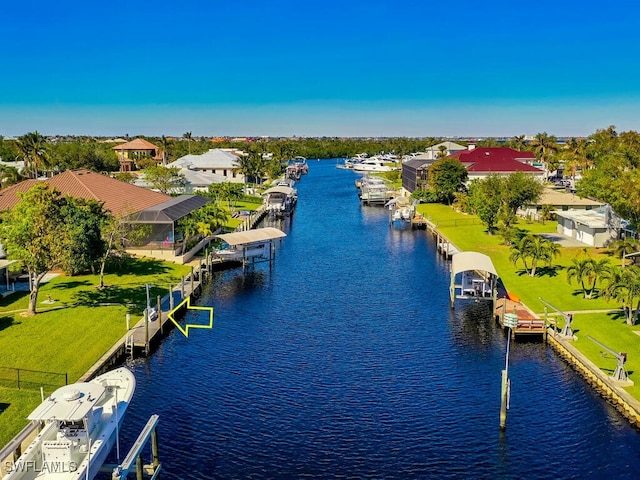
[(284, 69)]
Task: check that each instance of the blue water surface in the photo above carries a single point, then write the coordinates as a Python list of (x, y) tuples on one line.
[(343, 360)]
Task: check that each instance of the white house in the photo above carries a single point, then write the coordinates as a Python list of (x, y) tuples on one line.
[(217, 161), (433, 152), (586, 226)]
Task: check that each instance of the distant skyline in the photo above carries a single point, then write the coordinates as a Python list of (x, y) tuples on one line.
[(284, 68)]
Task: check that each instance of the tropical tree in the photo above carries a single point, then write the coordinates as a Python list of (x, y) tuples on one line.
[(623, 285), (447, 176), (203, 221), (117, 232), (536, 249), (9, 176), (587, 271), (518, 190), (187, 136), (485, 200), (43, 232), (544, 146), (33, 152), (623, 247), (165, 180)]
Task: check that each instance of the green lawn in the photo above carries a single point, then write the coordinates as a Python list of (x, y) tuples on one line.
[(70, 335), (468, 234)]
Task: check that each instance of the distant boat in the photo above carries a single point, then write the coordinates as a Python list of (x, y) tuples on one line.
[(372, 164), (79, 427)]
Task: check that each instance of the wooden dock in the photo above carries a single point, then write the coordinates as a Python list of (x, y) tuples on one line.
[(528, 322)]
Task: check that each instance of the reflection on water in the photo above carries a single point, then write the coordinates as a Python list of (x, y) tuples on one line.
[(344, 360)]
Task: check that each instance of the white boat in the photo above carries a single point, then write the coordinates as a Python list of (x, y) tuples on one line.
[(280, 200), (372, 164), (238, 253), (80, 423)]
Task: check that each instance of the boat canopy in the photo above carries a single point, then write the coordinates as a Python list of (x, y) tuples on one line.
[(70, 403), (279, 189), (252, 236), (464, 261)]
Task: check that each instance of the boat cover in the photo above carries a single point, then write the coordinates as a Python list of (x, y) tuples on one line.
[(252, 236), (57, 407), (464, 261), (279, 189)]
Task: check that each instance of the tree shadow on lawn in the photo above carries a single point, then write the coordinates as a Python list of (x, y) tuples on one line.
[(12, 298), (551, 271), (6, 322), (139, 266), (70, 285), (618, 315), (542, 271), (134, 298)]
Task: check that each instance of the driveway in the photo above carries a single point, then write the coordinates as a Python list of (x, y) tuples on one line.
[(563, 240)]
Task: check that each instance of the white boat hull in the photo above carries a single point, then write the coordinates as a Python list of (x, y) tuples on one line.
[(63, 450)]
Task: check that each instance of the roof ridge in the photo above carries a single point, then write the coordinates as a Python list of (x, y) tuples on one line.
[(76, 177)]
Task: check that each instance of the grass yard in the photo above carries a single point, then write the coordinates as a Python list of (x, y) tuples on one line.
[(71, 334), (551, 284)]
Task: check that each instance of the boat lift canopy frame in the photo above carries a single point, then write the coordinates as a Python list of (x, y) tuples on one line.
[(471, 261)]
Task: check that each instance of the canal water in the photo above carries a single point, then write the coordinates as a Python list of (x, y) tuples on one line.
[(343, 360)]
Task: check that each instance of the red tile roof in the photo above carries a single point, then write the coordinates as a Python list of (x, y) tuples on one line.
[(118, 197), (496, 159), (137, 144)]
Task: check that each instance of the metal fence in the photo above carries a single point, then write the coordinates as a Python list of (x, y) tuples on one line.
[(23, 378)]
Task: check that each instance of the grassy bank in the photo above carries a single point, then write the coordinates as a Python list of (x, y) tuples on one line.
[(73, 332), (551, 284)]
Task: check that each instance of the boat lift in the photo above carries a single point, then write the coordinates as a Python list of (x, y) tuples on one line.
[(133, 460), (619, 374), (566, 331)]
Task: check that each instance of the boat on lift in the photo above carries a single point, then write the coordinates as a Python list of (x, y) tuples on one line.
[(79, 426)]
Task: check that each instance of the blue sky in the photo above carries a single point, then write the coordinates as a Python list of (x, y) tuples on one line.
[(334, 68)]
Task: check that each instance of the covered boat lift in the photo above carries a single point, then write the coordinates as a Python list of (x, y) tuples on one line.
[(249, 245), (478, 277)]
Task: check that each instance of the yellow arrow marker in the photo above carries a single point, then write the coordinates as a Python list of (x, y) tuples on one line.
[(185, 330)]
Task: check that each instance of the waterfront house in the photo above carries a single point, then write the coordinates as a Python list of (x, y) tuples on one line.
[(485, 161), (480, 163), (438, 150), (194, 181), (590, 227), (130, 152), (559, 200), (218, 161), (159, 211)]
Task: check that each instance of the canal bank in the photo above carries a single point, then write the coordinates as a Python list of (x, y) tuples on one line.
[(612, 391), (344, 358)]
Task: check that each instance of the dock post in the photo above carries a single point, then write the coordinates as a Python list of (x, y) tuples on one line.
[(159, 314), (170, 297), (139, 468), (154, 449), (182, 288), (192, 280), (146, 332)]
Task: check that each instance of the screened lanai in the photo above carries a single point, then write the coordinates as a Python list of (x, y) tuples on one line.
[(163, 219)]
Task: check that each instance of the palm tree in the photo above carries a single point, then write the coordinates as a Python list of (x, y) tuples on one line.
[(544, 146), (535, 248), (187, 136), (519, 142), (587, 271), (33, 151), (165, 144), (625, 246), (623, 285), (9, 176)]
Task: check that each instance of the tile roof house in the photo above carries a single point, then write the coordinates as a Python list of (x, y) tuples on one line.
[(480, 163), (131, 151), (484, 161), (217, 161), (162, 212)]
